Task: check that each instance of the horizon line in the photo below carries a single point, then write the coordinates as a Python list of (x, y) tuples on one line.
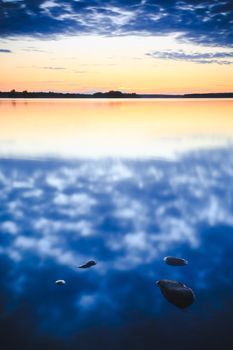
[(112, 92)]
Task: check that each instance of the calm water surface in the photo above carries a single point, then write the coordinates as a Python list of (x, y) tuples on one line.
[(112, 128), (125, 183)]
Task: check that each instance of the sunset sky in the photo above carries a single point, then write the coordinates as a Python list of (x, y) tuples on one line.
[(147, 46)]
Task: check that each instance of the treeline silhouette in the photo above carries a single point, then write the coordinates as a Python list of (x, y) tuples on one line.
[(26, 94), (110, 94)]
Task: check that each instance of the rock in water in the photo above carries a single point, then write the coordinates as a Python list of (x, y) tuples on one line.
[(60, 282), (176, 293), (173, 261), (87, 264)]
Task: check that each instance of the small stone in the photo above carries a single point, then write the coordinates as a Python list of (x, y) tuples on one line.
[(87, 264), (173, 261), (176, 293), (60, 282)]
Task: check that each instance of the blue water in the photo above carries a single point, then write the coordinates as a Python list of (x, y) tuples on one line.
[(127, 215)]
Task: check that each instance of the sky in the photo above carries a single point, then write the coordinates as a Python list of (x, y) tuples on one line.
[(141, 46)]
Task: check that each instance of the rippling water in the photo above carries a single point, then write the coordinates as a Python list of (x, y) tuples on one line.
[(127, 212)]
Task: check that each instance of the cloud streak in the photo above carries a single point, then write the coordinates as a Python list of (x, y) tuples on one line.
[(53, 68), (5, 51), (221, 58)]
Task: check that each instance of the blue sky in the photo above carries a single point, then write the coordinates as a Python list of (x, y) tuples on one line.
[(205, 22)]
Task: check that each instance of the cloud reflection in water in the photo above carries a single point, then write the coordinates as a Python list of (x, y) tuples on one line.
[(127, 215)]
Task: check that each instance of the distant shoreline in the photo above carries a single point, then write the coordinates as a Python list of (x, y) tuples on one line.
[(111, 94)]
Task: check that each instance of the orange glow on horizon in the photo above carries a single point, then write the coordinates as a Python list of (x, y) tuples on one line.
[(88, 64)]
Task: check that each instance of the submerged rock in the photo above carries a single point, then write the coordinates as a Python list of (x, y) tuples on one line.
[(60, 282), (176, 293), (87, 264), (173, 261)]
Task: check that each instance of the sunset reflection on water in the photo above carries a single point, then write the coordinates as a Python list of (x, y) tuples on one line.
[(122, 128), (101, 180)]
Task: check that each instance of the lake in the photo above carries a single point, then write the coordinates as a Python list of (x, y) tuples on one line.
[(125, 183)]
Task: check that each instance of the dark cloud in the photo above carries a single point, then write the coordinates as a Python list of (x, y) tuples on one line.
[(224, 57), (201, 21), (5, 51)]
